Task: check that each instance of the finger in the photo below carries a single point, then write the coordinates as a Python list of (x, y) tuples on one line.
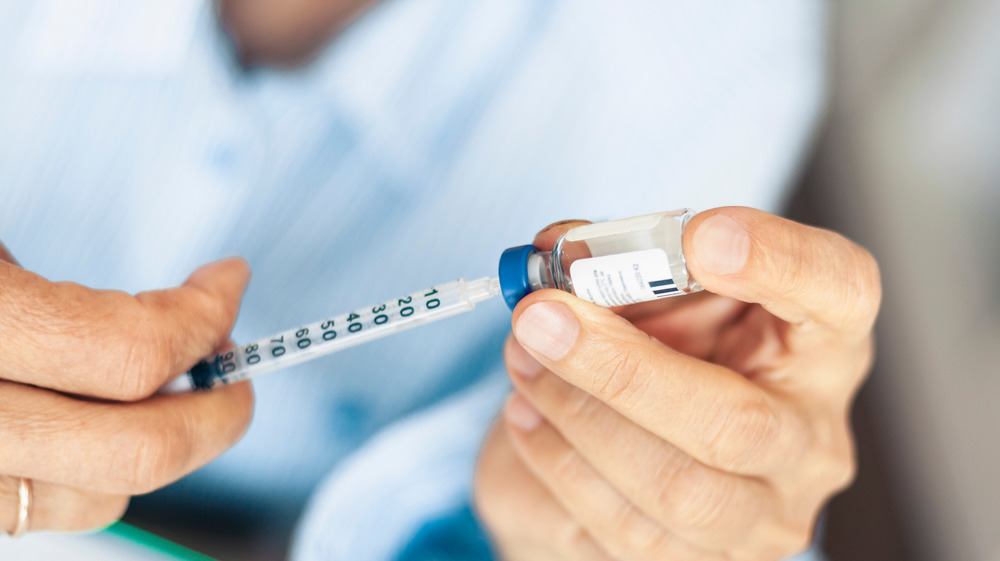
[(615, 523), (705, 506), (799, 273), (691, 325), (5, 255), (777, 356), (710, 412), (505, 489), (117, 448), (59, 507), (109, 344), (547, 237)]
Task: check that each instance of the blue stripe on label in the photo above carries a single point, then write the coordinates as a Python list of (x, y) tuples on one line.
[(666, 290)]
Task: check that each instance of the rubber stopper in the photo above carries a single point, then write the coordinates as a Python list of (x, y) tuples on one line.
[(514, 283)]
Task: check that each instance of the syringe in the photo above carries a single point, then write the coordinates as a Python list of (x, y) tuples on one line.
[(335, 334)]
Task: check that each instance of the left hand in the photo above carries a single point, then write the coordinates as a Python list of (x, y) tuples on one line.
[(707, 427)]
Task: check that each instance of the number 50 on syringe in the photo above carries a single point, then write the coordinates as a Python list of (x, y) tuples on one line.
[(328, 336)]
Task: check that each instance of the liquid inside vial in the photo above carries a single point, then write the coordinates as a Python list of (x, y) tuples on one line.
[(622, 262)]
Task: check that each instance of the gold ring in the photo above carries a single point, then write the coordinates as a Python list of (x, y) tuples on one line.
[(24, 500)]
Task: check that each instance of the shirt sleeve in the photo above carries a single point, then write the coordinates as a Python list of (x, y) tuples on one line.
[(399, 495)]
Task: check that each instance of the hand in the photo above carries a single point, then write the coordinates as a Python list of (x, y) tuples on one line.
[(78, 414), (706, 427)]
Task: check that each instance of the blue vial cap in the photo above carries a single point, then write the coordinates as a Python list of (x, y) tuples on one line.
[(514, 283)]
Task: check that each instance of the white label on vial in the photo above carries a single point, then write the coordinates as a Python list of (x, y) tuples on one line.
[(623, 278)]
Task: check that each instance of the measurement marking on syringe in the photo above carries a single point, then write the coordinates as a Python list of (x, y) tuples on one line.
[(340, 332)]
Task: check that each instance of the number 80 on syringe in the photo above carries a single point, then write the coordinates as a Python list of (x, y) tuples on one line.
[(296, 345)]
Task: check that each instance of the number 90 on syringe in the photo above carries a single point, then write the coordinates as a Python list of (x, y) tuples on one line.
[(323, 337)]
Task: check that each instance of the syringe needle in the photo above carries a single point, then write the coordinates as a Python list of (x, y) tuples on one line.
[(332, 335)]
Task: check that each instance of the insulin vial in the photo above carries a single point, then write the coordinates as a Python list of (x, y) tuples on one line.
[(610, 263)]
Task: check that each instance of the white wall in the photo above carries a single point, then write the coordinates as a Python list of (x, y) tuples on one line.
[(912, 161)]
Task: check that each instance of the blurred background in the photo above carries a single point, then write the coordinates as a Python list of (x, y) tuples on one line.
[(908, 164)]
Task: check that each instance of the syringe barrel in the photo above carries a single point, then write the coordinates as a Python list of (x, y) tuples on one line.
[(335, 334)]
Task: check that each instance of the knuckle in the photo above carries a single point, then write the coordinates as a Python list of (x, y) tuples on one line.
[(576, 408), (112, 318), (872, 288), (694, 499), (864, 287), (621, 376), (842, 473), (777, 540), (642, 538), (146, 361), (568, 467), (101, 512), (848, 292), (832, 457), (154, 455), (787, 270), (71, 509), (744, 435), (572, 536), (114, 510), (486, 496), (839, 462), (499, 483), (794, 541)]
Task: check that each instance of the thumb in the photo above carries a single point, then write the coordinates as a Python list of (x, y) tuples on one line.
[(6, 256), (798, 273)]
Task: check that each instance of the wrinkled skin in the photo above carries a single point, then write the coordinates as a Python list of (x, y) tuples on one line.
[(706, 427)]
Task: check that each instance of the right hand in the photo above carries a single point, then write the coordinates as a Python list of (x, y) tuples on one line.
[(79, 371)]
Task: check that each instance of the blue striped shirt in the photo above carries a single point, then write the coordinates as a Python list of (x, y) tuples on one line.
[(425, 139)]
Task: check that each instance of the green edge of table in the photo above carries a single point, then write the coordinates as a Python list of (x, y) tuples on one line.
[(154, 542)]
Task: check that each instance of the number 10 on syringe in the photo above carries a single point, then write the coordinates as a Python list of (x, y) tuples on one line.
[(308, 342)]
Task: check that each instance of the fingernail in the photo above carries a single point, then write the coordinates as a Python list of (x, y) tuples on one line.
[(721, 245), (522, 414), (521, 363), (548, 328)]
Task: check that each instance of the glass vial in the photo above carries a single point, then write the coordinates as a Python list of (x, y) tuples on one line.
[(612, 263)]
